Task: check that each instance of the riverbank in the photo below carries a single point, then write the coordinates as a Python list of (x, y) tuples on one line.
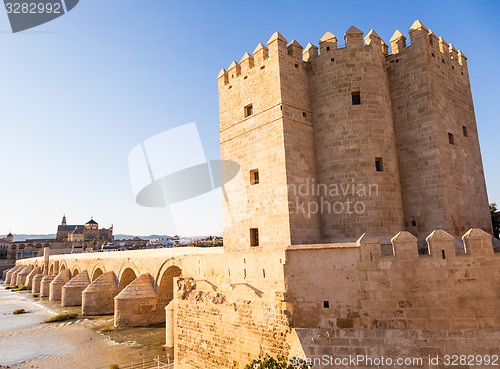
[(86, 342)]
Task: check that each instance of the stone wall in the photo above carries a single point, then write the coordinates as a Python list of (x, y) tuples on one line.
[(354, 286), (324, 346)]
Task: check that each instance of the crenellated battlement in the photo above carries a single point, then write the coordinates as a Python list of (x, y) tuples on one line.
[(476, 243), (424, 40), (277, 45)]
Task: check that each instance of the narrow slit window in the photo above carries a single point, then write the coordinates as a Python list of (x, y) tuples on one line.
[(466, 134), (356, 98), (379, 165), (254, 177), (254, 237), (442, 254), (248, 110), (451, 139), (326, 304)]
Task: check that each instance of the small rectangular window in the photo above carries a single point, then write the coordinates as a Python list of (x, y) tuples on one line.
[(326, 304), (254, 177), (466, 134), (451, 139), (254, 237), (248, 110), (379, 165), (356, 98)]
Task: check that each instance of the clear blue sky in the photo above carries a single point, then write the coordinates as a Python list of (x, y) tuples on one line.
[(78, 93)]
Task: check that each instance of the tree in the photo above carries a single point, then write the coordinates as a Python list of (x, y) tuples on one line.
[(281, 362), (495, 219)]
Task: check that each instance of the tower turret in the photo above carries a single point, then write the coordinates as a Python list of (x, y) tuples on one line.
[(63, 220)]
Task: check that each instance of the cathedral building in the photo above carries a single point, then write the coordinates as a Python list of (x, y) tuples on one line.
[(88, 232)]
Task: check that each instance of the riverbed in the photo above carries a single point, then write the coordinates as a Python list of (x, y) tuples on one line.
[(86, 342)]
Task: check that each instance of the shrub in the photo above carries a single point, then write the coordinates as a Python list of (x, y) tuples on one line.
[(9, 288), (22, 287), (19, 311), (61, 317), (114, 366), (268, 362), (105, 329)]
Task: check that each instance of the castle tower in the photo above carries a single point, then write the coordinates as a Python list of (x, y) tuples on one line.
[(357, 166), (10, 237), (63, 220), (440, 162), (266, 126), (350, 140)]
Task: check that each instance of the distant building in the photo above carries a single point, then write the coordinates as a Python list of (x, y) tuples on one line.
[(68, 238), (81, 233)]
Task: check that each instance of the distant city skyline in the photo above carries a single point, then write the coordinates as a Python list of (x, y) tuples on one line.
[(78, 93)]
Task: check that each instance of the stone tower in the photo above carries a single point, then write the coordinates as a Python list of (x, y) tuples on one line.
[(63, 222), (441, 170), (350, 139)]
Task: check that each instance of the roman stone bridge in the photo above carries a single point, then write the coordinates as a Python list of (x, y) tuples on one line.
[(135, 286)]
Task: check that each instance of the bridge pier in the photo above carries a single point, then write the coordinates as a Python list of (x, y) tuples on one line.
[(57, 284), (98, 297), (72, 291), (10, 273), (37, 283), (30, 276), (21, 277), (4, 274), (170, 324), (45, 285), (136, 305)]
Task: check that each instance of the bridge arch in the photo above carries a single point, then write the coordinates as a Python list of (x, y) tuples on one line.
[(75, 272), (127, 276), (97, 271), (51, 268), (62, 266), (165, 281)]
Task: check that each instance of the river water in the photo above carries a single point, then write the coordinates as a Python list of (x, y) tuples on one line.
[(27, 342)]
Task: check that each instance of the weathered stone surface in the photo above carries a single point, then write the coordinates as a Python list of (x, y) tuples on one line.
[(21, 277), (8, 275), (137, 304), (45, 285), (57, 283), (72, 291), (37, 282), (30, 276), (98, 297)]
